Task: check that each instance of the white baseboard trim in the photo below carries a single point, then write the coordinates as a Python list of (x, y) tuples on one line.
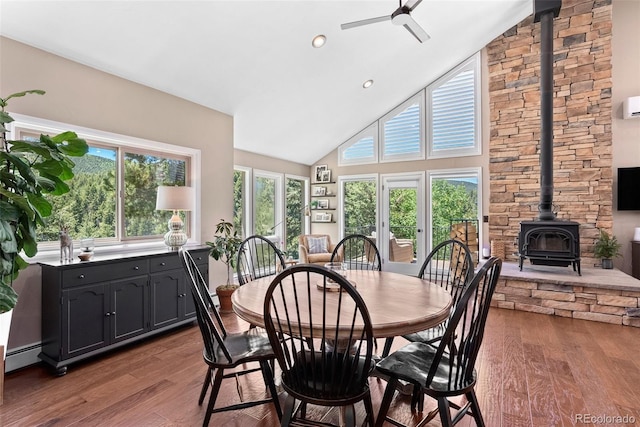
[(22, 356)]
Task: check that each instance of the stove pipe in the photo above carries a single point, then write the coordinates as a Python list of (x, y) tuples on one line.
[(544, 12)]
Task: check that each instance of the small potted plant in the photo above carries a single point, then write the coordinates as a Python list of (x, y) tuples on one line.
[(224, 247), (607, 248)]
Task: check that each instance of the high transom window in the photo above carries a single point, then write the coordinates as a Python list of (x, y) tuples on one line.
[(442, 120)]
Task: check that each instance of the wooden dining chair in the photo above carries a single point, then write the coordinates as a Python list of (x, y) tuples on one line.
[(224, 351), (326, 359), (449, 369), (358, 252), (450, 266), (258, 257)]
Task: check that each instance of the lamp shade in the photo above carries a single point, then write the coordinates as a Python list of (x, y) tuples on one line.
[(175, 198)]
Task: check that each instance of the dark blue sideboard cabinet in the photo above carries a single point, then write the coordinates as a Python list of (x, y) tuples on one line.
[(95, 306)]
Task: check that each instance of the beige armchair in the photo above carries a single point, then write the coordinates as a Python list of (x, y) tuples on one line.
[(400, 250), (319, 253)]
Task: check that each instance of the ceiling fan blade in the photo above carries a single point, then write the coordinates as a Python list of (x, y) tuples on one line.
[(412, 4), (365, 22), (417, 31)]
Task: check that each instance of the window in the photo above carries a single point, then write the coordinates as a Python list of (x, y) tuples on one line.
[(296, 190), (359, 201), (402, 136), (264, 190), (143, 173), (115, 164), (267, 200), (361, 149), (454, 112), (242, 201), (454, 197), (452, 119)]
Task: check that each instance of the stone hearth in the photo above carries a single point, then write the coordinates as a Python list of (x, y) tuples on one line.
[(609, 296)]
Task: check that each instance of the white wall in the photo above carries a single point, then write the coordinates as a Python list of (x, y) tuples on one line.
[(626, 133)]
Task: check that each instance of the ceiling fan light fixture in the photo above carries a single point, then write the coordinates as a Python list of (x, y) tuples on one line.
[(319, 40), (367, 84)]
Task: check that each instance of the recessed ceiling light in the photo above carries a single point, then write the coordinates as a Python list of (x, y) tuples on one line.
[(319, 40), (367, 84)]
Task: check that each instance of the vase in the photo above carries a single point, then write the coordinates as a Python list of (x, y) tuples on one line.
[(607, 263), (224, 296)]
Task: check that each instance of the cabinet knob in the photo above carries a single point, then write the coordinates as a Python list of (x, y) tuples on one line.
[(81, 276), (136, 268), (163, 264), (107, 314)]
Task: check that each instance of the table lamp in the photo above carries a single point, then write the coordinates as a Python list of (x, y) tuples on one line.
[(175, 199)]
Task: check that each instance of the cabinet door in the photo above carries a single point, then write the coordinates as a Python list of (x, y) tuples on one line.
[(84, 313), (190, 306), (167, 305), (129, 308)]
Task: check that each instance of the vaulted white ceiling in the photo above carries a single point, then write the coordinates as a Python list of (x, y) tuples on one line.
[(254, 59)]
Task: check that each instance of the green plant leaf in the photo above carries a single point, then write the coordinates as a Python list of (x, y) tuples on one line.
[(29, 243), (20, 94), (8, 212), (6, 232), (47, 185), (49, 166), (40, 204), (71, 145), (8, 297), (23, 168), (5, 117), (20, 202), (60, 187), (35, 147)]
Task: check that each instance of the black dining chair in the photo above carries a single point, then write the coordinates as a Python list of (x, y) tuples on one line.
[(258, 257), (358, 252), (224, 351), (327, 359), (450, 266), (449, 369)]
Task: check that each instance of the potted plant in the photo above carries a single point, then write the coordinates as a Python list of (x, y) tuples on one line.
[(28, 171), (606, 248), (224, 247)]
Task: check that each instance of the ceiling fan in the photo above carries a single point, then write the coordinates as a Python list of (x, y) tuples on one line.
[(401, 16)]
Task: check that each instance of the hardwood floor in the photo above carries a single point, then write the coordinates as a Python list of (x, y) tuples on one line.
[(534, 370)]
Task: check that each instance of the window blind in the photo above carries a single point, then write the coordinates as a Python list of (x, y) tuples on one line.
[(363, 149), (453, 113), (402, 133)]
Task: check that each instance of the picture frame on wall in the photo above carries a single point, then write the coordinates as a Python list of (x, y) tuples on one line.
[(322, 204), (319, 191), (325, 176), (319, 169), (322, 217)]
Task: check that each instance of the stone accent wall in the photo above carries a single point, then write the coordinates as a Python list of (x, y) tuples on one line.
[(583, 174), (586, 302)]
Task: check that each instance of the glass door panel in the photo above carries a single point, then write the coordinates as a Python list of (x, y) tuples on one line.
[(402, 239)]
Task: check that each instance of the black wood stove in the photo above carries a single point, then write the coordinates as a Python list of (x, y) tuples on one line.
[(555, 243), (548, 240)]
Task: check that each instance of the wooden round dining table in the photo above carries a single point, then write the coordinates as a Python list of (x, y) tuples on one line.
[(397, 304)]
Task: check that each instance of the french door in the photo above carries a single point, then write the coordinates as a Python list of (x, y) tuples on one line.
[(401, 239)]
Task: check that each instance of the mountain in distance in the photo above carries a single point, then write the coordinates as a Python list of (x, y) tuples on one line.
[(93, 164)]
